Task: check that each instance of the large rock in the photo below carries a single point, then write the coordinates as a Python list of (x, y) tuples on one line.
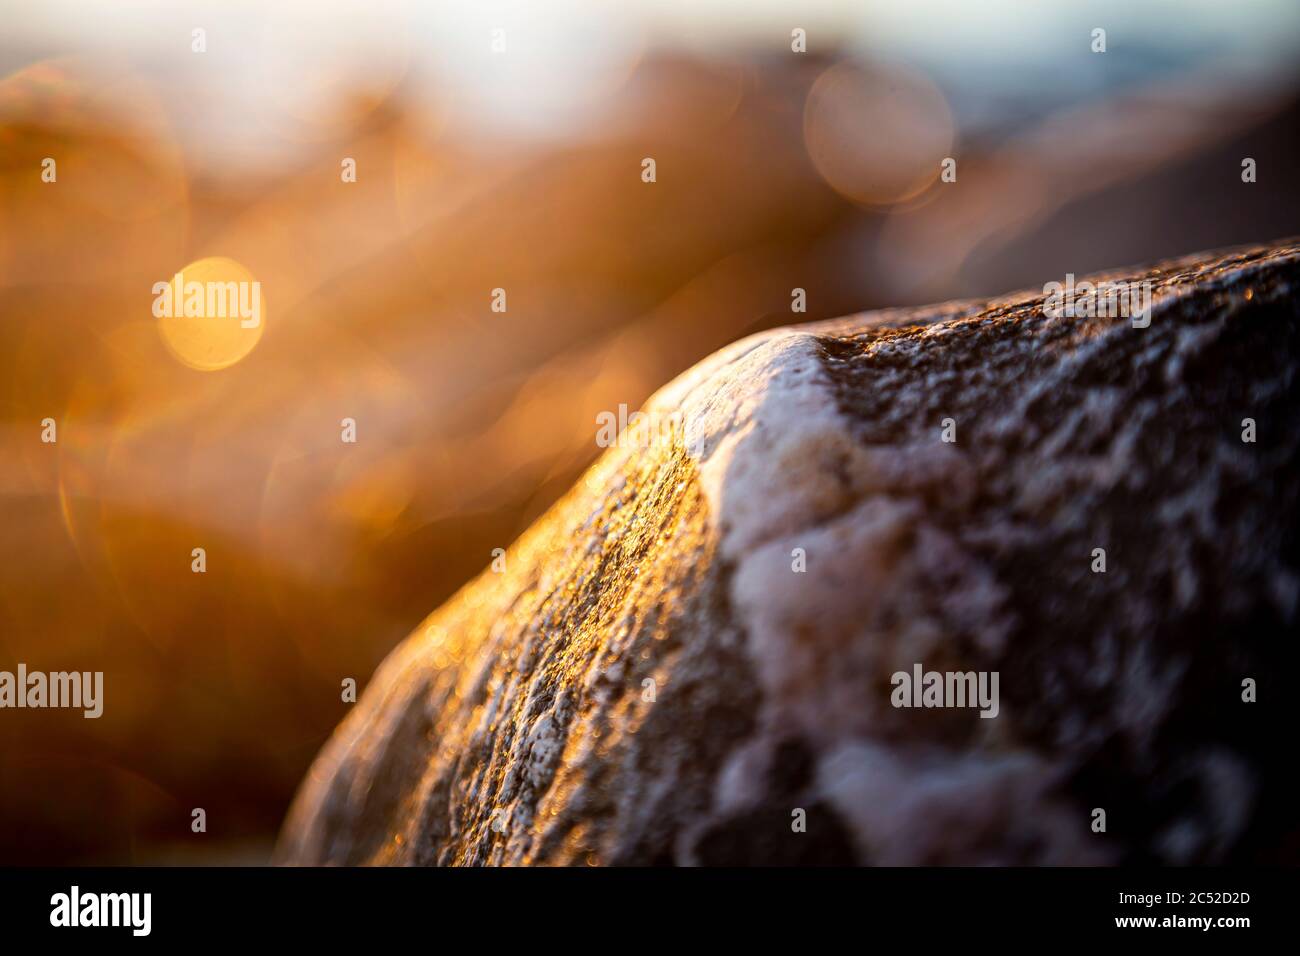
[(651, 681)]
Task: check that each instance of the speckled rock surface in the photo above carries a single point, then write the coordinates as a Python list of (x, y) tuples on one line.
[(649, 681)]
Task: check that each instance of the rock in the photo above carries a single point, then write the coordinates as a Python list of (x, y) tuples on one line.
[(652, 681)]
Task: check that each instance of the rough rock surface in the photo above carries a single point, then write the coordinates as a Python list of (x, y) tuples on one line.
[(517, 726)]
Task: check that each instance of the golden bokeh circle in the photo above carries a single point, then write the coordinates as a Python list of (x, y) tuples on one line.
[(216, 323)]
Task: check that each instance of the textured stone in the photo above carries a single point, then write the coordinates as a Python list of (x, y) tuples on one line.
[(515, 727)]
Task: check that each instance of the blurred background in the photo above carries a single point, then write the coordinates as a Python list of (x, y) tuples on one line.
[(496, 145)]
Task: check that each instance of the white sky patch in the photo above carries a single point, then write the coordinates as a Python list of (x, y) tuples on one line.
[(564, 60)]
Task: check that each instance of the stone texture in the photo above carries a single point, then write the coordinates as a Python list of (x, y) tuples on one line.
[(514, 726)]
